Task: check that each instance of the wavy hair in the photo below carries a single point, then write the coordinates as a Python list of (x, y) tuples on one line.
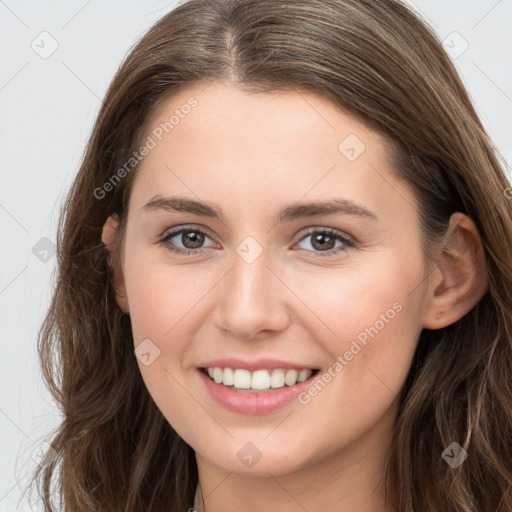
[(380, 62)]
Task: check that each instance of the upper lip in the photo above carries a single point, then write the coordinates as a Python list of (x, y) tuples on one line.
[(260, 364)]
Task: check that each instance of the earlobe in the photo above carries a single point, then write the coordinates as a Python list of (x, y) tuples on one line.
[(108, 236), (460, 279)]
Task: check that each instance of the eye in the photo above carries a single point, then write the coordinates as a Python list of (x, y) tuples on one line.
[(323, 241), (191, 238)]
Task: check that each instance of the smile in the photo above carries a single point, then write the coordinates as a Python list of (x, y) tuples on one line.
[(259, 380), (256, 392)]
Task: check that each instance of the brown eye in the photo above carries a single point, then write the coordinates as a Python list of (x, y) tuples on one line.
[(192, 240), (323, 242)]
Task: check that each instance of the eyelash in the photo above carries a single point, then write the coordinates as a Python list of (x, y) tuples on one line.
[(348, 243)]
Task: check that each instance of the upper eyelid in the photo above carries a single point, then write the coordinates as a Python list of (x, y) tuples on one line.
[(334, 231), (170, 233)]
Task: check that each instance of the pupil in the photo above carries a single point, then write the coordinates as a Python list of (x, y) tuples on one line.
[(193, 238), (318, 240)]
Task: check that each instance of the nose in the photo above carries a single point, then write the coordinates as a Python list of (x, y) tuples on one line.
[(252, 300)]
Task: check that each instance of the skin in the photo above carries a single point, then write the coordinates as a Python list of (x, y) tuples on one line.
[(250, 154)]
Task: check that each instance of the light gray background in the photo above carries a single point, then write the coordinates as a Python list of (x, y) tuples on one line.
[(47, 108)]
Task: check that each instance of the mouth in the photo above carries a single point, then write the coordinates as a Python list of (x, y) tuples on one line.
[(258, 381)]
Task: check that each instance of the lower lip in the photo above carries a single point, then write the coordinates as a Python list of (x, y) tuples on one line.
[(253, 403)]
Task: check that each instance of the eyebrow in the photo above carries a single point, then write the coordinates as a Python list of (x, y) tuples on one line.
[(289, 212)]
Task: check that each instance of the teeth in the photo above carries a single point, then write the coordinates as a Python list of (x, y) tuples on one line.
[(277, 379), (228, 378), (259, 379), (303, 375), (217, 375), (291, 377), (242, 379)]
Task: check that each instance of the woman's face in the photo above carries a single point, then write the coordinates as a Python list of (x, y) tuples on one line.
[(261, 177)]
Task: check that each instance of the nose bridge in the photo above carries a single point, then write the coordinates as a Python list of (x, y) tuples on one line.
[(251, 299)]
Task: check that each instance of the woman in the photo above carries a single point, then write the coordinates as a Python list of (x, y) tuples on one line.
[(219, 351)]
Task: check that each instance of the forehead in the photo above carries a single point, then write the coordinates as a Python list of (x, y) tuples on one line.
[(272, 118), (218, 140)]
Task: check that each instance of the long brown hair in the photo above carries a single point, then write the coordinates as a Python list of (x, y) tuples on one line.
[(380, 62)]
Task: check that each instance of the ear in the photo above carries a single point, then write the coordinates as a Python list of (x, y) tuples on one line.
[(460, 279), (107, 236)]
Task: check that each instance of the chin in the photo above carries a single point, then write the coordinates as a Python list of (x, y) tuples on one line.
[(256, 459)]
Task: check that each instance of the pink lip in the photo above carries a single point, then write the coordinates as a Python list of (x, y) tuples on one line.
[(253, 403), (260, 364)]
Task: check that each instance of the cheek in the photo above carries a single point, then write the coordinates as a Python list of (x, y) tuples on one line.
[(162, 302), (161, 295), (370, 324), (343, 302)]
